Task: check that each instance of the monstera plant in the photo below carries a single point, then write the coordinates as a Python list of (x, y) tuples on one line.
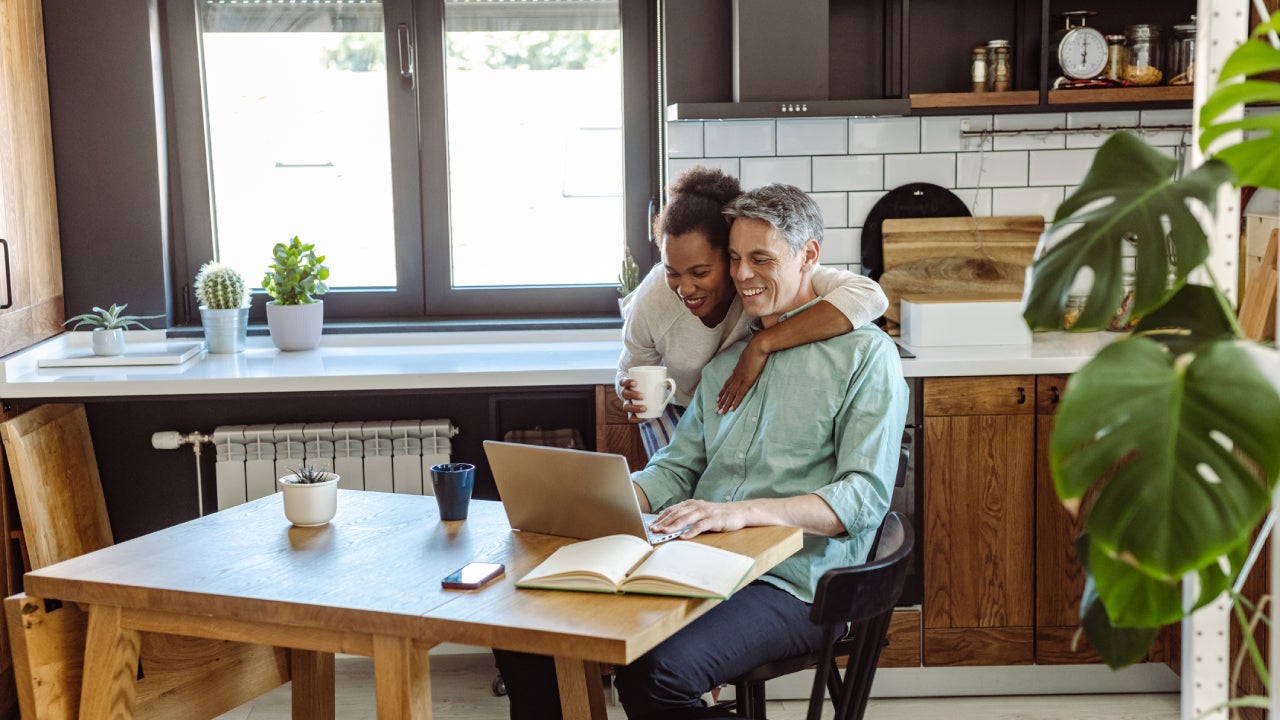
[(1168, 441)]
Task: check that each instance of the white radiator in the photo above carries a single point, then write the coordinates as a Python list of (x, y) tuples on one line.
[(390, 456)]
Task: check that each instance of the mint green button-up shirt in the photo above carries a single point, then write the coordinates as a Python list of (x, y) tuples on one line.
[(824, 418)]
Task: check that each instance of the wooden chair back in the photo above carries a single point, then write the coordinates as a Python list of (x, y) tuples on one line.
[(64, 514)]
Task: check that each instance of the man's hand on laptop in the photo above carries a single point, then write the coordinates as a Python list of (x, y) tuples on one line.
[(699, 516)]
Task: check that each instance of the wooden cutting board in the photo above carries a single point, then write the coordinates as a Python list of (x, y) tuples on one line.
[(975, 255)]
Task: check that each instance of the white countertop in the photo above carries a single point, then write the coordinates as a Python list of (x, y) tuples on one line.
[(415, 361)]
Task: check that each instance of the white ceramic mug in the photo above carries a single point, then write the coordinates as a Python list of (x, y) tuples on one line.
[(652, 382)]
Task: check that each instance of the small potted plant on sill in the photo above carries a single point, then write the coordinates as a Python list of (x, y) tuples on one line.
[(296, 274), (224, 307), (108, 327), (310, 496)]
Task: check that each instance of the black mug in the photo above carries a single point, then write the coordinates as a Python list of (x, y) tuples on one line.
[(453, 483)]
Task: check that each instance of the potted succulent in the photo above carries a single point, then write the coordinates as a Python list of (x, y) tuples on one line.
[(108, 327), (296, 274), (310, 495), (224, 307)]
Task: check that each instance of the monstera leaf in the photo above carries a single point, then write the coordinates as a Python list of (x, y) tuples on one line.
[(1128, 192), (1184, 469), (1256, 160)]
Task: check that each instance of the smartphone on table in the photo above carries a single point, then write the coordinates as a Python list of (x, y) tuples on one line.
[(473, 575)]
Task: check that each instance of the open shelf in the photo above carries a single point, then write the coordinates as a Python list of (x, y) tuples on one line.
[(1157, 93), (972, 99)]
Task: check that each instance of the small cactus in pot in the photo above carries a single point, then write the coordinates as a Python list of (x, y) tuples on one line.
[(224, 307)]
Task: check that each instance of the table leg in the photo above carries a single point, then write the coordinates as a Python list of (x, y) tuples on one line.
[(401, 679), (313, 677), (581, 691), (111, 666)]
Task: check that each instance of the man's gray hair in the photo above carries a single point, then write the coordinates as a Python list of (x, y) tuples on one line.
[(786, 207)]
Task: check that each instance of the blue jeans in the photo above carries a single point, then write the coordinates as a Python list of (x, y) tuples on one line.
[(759, 624)]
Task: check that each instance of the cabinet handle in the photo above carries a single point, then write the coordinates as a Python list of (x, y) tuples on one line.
[(1054, 396), (1022, 396), (406, 52), (8, 277)]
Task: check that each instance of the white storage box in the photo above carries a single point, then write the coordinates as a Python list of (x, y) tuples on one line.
[(931, 320)]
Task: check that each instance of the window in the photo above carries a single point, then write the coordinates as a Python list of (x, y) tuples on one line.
[(455, 158)]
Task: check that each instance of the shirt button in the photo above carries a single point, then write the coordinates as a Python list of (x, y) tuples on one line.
[(741, 455), (755, 419), (727, 498)]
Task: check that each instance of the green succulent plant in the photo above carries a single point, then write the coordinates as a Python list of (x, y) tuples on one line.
[(109, 319), (309, 475), (629, 278), (220, 287), (296, 273)]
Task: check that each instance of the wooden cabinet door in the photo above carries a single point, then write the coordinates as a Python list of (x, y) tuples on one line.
[(1059, 577), (32, 279), (614, 433), (978, 520)]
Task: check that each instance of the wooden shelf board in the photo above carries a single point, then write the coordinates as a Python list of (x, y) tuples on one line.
[(1158, 93), (971, 99)]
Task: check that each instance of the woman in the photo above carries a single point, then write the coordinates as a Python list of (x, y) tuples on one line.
[(686, 310)]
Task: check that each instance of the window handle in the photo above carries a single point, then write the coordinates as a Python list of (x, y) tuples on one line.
[(8, 277), (406, 52)]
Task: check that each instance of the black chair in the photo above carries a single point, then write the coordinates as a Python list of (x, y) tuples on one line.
[(854, 605)]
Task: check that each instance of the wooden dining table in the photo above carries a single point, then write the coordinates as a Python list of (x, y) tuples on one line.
[(367, 583)]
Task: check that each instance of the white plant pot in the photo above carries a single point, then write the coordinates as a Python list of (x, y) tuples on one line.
[(310, 504), (295, 327), (225, 329), (108, 343)]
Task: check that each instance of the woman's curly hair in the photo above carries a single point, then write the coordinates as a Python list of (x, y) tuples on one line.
[(697, 198)]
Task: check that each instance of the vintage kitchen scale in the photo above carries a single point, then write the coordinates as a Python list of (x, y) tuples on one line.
[(1081, 50)]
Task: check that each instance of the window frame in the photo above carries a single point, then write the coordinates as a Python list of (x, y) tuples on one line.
[(419, 178)]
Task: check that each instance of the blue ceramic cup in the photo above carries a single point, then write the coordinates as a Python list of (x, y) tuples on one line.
[(453, 483)]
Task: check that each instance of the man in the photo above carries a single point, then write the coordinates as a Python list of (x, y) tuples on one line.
[(814, 444)]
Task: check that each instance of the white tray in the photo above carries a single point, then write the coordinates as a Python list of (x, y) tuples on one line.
[(135, 353)]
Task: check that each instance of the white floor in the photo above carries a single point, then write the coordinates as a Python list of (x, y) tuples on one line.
[(461, 689)]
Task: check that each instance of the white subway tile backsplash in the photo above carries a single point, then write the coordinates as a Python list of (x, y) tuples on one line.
[(884, 135), (1026, 201), (790, 170), (1107, 121), (835, 208), (675, 166), (848, 172), (991, 169), (813, 136), (936, 168), (841, 245), (1166, 117), (942, 134), (684, 139), (738, 138), (860, 204), (1059, 167), (977, 199)]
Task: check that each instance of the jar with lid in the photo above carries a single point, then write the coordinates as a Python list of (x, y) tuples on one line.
[(1144, 56), (978, 70), (1117, 58), (999, 66), (1182, 54)]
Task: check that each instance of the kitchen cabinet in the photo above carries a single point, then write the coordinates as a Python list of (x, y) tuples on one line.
[(979, 524), (891, 57), (614, 433), (31, 306), (1059, 577)]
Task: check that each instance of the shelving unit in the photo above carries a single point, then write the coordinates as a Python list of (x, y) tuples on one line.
[(900, 57)]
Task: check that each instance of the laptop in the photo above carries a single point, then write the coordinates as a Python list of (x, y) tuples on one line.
[(571, 493)]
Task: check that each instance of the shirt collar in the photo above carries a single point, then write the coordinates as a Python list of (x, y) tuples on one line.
[(757, 326)]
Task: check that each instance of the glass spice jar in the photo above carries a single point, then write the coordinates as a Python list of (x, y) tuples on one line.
[(1182, 54), (978, 70), (999, 66), (1144, 66), (1117, 58)]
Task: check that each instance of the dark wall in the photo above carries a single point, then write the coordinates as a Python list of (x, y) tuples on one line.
[(148, 489), (106, 139)]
